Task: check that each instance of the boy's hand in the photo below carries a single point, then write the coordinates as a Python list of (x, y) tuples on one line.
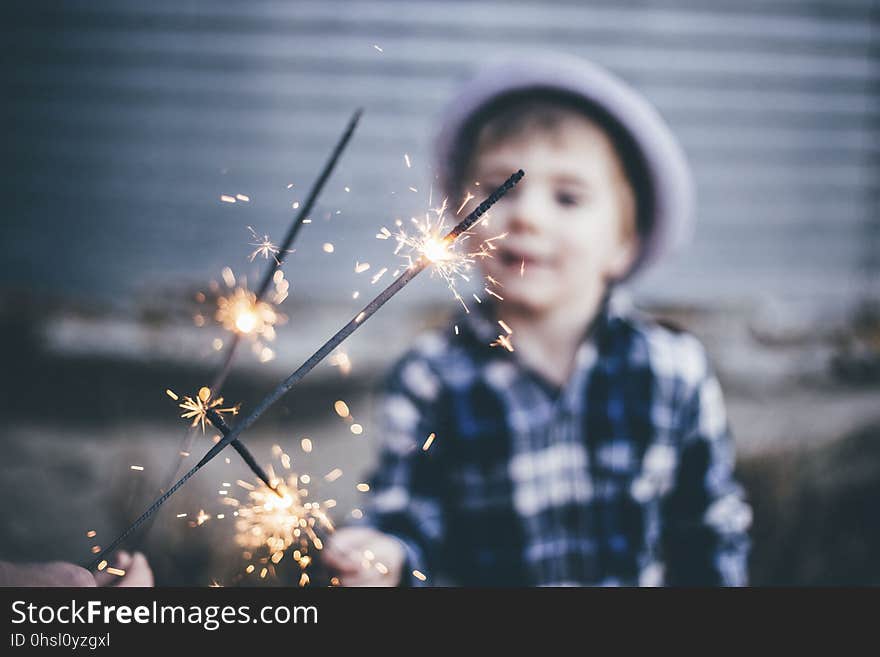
[(55, 573), (348, 556), (137, 571)]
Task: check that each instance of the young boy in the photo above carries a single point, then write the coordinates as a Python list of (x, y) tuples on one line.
[(597, 452)]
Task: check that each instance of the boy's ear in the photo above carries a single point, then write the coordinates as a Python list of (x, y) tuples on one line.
[(625, 253)]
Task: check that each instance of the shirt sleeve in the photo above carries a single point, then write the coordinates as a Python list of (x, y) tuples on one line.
[(706, 517), (407, 499)]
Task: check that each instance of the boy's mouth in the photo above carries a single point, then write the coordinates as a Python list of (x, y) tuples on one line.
[(509, 258)]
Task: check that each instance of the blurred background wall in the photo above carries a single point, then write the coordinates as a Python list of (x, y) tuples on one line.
[(125, 122)]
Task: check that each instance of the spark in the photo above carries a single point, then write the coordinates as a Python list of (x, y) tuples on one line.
[(91, 533), (116, 571), (137, 467), (328, 247), (306, 445), (503, 325), (226, 198), (451, 259), (360, 267), (197, 408), (357, 514), (265, 247), (357, 429), (522, 268), (241, 312), (467, 198), (341, 360), (419, 575), (378, 275), (333, 475), (414, 190), (377, 48), (406, 159), (274, 526), (102, 565), (503, 341), (428, 443), (243, 198)]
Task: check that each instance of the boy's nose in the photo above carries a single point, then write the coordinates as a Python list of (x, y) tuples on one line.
[(525, 213)]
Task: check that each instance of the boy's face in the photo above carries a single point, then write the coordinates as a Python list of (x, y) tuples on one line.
[(569, 223)]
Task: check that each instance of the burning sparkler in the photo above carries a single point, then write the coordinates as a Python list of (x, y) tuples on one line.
[(243, 313), (252, 312), (277, 520), (229, 436), (197, 408), (265, 247), (451, 260), (202, 408)]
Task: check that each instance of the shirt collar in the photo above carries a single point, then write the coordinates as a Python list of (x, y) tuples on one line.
[(617, 305)]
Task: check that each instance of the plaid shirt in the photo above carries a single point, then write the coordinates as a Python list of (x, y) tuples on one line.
[(621, 477)]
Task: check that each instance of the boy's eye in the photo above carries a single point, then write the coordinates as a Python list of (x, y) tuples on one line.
[(568, 199)]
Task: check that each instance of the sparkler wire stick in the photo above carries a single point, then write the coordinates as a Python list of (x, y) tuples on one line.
[(266, 282), (323, 351)]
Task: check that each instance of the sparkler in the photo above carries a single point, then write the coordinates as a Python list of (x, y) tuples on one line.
[(273, 525), (258, 311), (231, 435), (428, 241)]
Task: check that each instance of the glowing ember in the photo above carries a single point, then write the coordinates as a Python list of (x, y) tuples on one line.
[(341, 408), (428, 443), (503, 341), (197, 408), (265, 247), (240, 312), (341, 360)]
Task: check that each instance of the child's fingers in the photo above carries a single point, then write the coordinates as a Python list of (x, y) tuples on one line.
[(340, 560), (138, 573)]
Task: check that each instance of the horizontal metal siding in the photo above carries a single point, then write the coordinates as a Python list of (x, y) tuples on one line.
[(125, 122)]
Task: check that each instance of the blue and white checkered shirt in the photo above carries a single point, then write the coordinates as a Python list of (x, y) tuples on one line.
[(621, 477)]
